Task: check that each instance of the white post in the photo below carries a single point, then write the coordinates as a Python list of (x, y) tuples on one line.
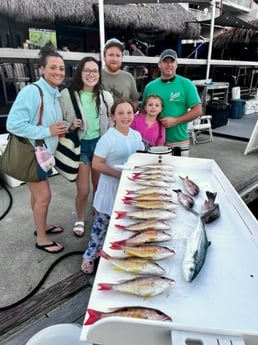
[(101, 29), (213, 4)]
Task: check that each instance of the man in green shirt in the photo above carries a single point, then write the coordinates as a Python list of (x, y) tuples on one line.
[(121, 84), (181, 101)]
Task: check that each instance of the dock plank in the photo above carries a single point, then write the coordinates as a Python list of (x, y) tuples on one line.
[(42, 305)]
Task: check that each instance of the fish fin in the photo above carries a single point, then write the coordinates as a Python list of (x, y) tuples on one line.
[(127, 201), (104, 286), (121, 227), (136, 175), (120, 214), (127, 198), (211, 195), (103, 254), (130, 191), (117, 244), (94, 316)]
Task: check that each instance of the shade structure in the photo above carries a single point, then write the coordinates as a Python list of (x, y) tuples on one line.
[(49, 10), (169, 17), (236, 35), (227, 19)]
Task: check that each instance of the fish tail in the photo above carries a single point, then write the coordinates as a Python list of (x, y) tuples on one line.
[(104, 286), (127, 201), (211, 195), (129, 191), (136, 175), (121, 227), (127, 198), (117, 244), (103, 254), (94, 316), (120, 214)]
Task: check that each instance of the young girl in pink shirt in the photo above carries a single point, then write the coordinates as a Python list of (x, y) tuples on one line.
[(148, 123)]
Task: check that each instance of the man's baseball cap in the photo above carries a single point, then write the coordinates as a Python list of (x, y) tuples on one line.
[(114, 42), (168, 53)]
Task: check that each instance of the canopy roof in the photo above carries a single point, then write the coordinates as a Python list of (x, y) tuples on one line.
[(236, 35), (169, 17)]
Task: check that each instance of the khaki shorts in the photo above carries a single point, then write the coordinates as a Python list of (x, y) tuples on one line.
[(184, 146)]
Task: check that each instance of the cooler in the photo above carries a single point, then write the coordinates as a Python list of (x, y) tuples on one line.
[(219, 112)]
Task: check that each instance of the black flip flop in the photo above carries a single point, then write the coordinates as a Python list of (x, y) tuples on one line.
[(45, 247), (52, 230)]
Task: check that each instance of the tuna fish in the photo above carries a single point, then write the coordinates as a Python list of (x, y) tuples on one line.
[(137, 312), (148, 286), (195, 253)]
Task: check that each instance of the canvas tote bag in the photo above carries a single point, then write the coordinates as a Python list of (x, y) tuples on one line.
[(68, 151)]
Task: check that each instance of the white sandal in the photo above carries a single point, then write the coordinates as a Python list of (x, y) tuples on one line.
[(87, 266), (78, 228)]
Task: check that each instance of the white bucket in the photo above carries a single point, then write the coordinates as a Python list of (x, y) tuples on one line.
[(235, 92), (60, 334)]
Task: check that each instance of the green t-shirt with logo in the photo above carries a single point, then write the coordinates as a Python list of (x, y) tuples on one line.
[(178, 95)]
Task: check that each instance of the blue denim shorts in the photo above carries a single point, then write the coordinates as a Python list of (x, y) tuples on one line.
[(87, 150)]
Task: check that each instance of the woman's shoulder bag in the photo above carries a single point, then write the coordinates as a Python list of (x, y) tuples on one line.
[(19, 159), (68, 150)]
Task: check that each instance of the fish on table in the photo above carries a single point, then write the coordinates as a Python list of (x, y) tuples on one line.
[(166, 167), (137, 312), (147, 251), (152, 183), (144, 225), (210, 210), (184, 199), (152, 204), (195, 252), (152, 177), (190, 186), (133, 265), (147, 214), (156, 171), (148, 197), (147, 286), (143, 237), (151, 189)]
